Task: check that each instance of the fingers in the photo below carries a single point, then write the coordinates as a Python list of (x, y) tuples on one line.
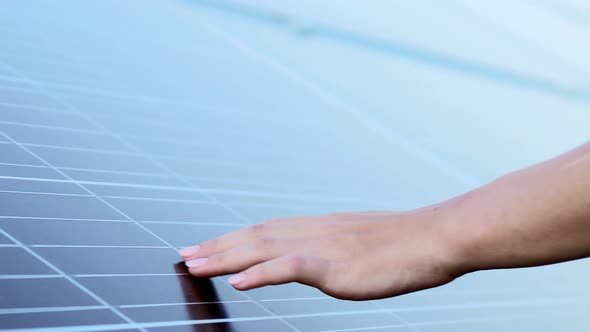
[(224, 242), (242, 257), (272, 228), (291, 268)]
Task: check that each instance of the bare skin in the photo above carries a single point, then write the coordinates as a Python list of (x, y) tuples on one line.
[(536, 216)]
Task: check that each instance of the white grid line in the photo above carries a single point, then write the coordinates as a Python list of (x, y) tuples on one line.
[(188, 177), (29, 276), (35, 108), (129, 306), (261, 194), (49, 309), (42, 193), (56, 128), (61, 219), (95, 246), (121, 275), (153, 157), (21, 165), (136, 121), (177, 222)]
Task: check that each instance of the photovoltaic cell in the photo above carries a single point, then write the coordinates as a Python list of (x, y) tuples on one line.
[(42, 293), (59, 319), (129, 130)]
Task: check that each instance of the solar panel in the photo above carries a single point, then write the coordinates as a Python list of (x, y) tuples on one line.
[(129, 130)]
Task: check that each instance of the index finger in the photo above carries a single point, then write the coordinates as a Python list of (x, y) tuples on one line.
[(274, 227)]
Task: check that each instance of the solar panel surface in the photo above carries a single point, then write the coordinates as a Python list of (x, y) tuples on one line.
[(131, 129)]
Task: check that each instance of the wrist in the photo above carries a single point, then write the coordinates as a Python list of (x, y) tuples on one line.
[(443, 237), (462, 234)]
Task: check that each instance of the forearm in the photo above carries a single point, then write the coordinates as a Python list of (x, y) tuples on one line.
[(539, 215)]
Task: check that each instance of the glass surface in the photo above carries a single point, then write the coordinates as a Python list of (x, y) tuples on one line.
[(130, 129)]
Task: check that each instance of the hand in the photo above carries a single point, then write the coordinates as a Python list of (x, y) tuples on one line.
[(539, 215), (354, 256)]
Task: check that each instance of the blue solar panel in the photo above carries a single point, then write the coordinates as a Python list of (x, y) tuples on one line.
[(131, 129)]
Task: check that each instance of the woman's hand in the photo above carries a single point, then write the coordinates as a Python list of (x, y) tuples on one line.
[(539, 215), (355, 256)]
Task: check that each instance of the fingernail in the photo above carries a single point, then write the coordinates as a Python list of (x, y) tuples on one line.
[(196, 262), (238, 278), (189, 251)]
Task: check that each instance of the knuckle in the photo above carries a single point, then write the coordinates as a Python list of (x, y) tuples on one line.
[(341, 216), (264, 244), (294, 265), (275, 221), (333, 227), (344, 246), (210, 245), (351, 242), (257, 230), (217, 260), (330, 229), (332, 241), (352, 238)]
